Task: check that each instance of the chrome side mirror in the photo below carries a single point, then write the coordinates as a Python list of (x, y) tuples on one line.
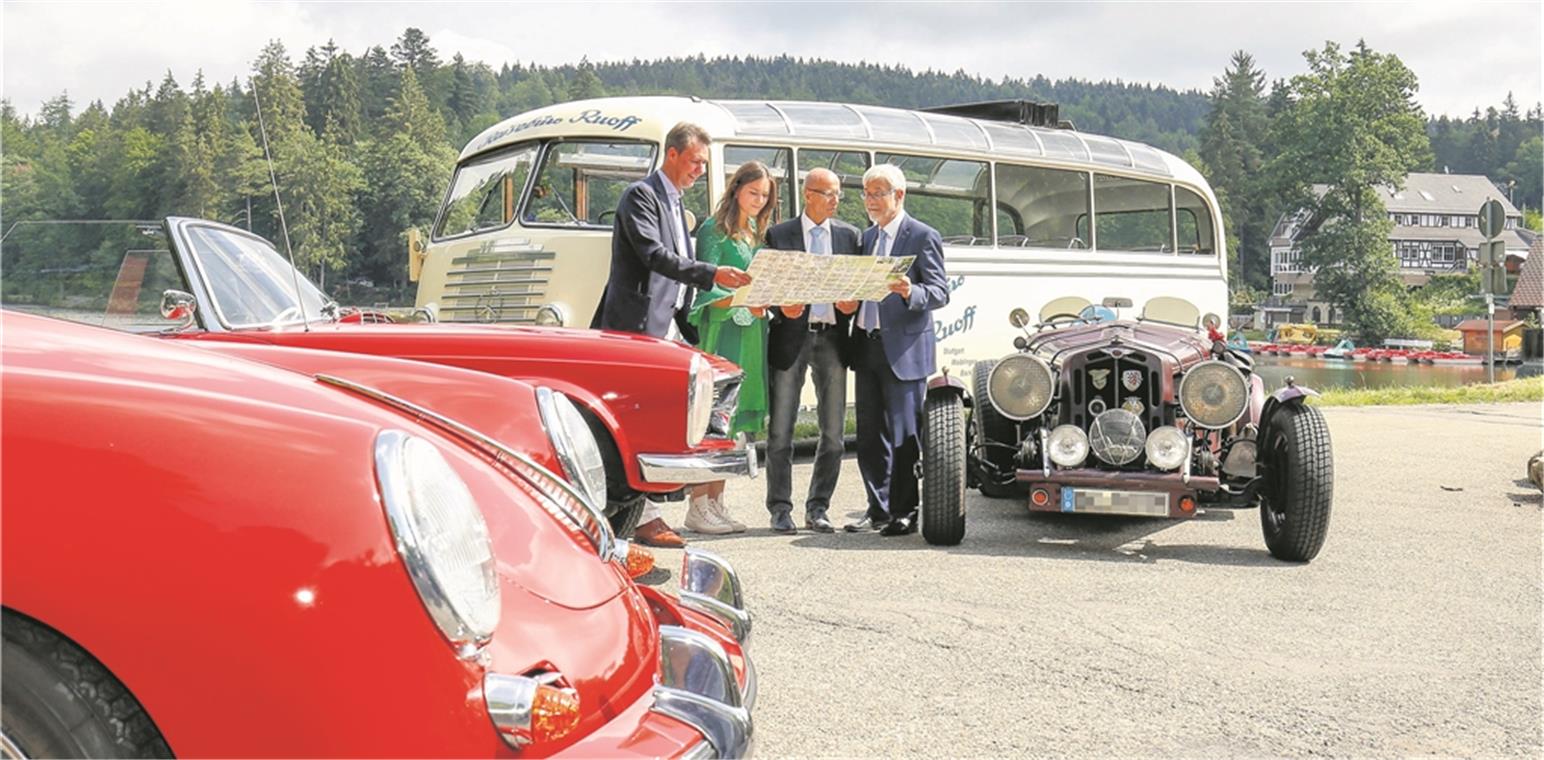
[(178, 305), (1018, 318)]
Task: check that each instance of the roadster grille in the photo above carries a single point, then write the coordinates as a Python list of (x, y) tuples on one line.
[(1103, 382), (501, 281)]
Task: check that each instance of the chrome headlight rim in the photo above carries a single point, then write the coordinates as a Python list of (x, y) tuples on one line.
[(553, 314), (1059, 433), (468, 625), (699, 400), (578, 452), (1108, 450), (1026, 411), (1155, 439), (1233, 374)]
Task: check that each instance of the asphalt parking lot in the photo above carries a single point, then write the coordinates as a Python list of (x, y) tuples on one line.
[(1415, 632)]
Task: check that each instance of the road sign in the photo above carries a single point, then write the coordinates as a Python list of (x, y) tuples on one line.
[(1493, 253), (1492, 218)]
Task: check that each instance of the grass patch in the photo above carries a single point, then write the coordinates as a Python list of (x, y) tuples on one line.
[(1526, 389)]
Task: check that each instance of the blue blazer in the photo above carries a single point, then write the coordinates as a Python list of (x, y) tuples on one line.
[(646, 272), (906, 326)]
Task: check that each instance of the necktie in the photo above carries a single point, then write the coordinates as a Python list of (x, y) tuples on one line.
[(868, 313), (819, 245)]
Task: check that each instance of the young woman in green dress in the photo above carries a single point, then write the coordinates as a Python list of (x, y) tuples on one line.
[(737, 333)]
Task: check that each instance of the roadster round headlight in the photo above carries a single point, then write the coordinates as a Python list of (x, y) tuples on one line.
[(1116, 436), (1214, 394), (1020, 386), (441, 537), (572, 438), (1067, 445), (1167, 448)]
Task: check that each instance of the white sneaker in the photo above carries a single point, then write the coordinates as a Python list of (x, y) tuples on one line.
[(701, 518), (724, 516)]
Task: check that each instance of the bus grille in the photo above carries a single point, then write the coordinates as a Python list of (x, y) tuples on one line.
[(499, 281)]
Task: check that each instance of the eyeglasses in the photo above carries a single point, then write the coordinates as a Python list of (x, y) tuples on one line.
[(879, 196), (830, 195)]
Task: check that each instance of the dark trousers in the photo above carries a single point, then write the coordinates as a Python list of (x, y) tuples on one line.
[(888, 413), (821, 357)]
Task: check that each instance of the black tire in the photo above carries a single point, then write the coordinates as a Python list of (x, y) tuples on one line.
[(58, 701), (992, 426), (1299, 483), (943, 470), (624, 513)]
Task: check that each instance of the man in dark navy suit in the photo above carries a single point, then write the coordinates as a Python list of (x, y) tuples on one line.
[(808, 340), (653, 270), (892, 355)]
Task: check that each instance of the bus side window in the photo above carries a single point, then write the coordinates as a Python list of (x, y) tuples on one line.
[(777, 160), (484, 192), (849, 166), (947, 194), (1131, 215), (1051, 207), (1195, 223), (581, 182)]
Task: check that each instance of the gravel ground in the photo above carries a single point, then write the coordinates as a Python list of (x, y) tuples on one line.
[(1415, 632)]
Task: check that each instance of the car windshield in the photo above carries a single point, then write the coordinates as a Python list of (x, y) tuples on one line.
[(252, 285), (110, 274)]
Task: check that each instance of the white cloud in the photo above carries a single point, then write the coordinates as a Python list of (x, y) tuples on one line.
[(1465, 55)]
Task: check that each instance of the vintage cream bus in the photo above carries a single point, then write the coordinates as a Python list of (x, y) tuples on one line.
[(1029, 214)]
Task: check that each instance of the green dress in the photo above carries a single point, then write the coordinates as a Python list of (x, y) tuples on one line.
[(733, 333)]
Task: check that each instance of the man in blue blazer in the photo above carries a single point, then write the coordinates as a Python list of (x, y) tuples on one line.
[(653, 270), (891, 350), (812, 339), (651, 246)]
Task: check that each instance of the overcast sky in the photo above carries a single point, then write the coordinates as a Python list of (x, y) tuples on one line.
[(1465, 55)]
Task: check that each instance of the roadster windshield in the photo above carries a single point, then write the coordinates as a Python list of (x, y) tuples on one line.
[(251, 284)]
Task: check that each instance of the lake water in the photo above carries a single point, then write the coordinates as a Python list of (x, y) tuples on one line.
[(1319, 374)]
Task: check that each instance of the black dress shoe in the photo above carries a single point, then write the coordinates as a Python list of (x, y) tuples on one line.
[(866, 525), (901, 526), (782, 522), (819, 524)]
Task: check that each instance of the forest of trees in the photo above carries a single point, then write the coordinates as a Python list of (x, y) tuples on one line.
[(363, 143)]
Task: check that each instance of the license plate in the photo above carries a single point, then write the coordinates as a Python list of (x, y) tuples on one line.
[(1097, 501)]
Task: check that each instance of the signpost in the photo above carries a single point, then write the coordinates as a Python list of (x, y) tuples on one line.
[(1493, 279)]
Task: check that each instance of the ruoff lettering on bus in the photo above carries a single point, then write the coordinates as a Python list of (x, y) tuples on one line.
[(594, 116)]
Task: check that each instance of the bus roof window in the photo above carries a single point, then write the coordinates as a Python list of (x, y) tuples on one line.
[(1062, 144), (755, 117), (954, 132), (823, 120), (895, 125), (1011, 138)]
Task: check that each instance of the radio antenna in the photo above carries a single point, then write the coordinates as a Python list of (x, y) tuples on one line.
[(273, 179)]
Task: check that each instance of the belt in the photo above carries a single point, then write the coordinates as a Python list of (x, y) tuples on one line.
[(821, 326)]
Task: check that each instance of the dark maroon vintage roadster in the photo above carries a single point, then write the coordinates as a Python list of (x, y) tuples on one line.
[(1155, 416)]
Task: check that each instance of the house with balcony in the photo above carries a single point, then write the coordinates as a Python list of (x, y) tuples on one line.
[(1436, 231)]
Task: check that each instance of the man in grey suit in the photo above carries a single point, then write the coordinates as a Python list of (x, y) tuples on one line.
[(812, 339), (653, 270), (892, 355)]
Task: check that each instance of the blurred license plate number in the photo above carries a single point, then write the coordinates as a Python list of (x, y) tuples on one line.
[(1102, 502)]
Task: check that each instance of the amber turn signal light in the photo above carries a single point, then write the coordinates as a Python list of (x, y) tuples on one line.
[(639, 561), (1040, 497), (1187, 504), (554, 714)]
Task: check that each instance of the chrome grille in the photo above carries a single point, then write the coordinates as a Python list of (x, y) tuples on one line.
[(500, 281)]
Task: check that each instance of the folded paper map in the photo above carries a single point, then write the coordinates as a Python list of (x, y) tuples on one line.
[(795, 277)]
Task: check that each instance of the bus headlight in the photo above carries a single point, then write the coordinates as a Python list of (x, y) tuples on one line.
[(699, 400), (552, 315), (1214, 394), (1067, 445), (1020, 386), (1167, 447), (574, 443), (441, 537)]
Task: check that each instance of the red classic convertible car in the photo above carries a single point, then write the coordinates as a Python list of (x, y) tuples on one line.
[(208, 556), (659, 409)]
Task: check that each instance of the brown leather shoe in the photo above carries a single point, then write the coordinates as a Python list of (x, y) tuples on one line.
[(656, 533)]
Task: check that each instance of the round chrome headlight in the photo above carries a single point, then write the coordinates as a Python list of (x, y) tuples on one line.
[(699, 400), (1117, 436), (552, 315), (1020, 386), (572, 438), (1067, 445), (1167, 448), (441, 537), (1214, 394)]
